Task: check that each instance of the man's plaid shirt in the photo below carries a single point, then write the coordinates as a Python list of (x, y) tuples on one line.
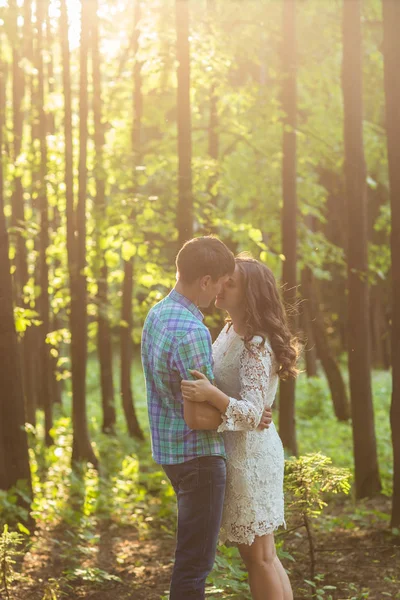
[(175, 340)]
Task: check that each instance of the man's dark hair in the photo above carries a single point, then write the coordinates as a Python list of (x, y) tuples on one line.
[(202, 256)]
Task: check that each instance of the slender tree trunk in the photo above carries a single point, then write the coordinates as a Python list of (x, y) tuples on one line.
[(51, 126), (18, 209), (365, 454), (213, 134), (19, 51), (14, 458), (30, 340), (76, 240), (104, 332), (185, 199), (333, 374), (126, 353), (391, 45), (379, 328), (310, 348), (287, 424), (127, 292), (44, 300)]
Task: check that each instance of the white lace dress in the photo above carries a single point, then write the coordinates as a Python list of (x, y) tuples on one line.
[(254, 503)]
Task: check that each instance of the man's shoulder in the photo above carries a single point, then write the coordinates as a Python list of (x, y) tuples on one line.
[(175, 318)]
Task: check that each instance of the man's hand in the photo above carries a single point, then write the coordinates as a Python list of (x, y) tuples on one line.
[(196, 391), (266, 419)]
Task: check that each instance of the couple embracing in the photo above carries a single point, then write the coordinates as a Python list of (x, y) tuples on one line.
[(210, 414)]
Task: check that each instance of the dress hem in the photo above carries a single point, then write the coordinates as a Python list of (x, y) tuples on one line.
[(250, 539)]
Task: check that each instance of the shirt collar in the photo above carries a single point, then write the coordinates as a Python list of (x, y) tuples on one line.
[(177, 297)]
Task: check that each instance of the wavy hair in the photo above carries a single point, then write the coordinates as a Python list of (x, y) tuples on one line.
[(265, 314)]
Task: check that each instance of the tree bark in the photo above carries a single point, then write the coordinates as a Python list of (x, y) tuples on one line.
[(333, 374), (185, 195), (213, 134), (31, 337), (20, 50), (81, 446), (310, 349), (104, 331), (287, 424), (50, 125), (127, 292), (14, 458), (391, 45), (365, 453), (126, 353), (44, 300), (18, 209)]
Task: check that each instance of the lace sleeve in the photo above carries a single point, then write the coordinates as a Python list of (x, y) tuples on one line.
[(254, 372)]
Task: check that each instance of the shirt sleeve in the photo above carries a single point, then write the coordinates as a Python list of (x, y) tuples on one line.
[(194, 351), (254, 373)]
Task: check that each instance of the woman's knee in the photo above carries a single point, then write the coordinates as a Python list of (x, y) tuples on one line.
[(261, 553)]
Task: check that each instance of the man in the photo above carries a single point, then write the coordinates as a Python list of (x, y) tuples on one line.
[(175, 341)]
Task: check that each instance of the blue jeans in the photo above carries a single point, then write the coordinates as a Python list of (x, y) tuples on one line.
[(199, 485)]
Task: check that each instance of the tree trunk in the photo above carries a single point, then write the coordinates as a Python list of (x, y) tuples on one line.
[(104, 332), (126, 353), (185, 196), (333, 374), (365, 454), (127, 292), (21, 50), (81, 446), (50, 125), (18, 209), (287, 424), (310, 348), (379, 328), (213, 135), (31, 337), (391, 45), (43, 301), (14, 458)]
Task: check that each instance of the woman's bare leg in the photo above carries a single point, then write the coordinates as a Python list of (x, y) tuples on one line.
[(267, 582), (285, 581)]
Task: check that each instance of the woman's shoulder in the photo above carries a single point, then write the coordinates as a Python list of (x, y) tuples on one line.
[(260, 339), (260, 345)]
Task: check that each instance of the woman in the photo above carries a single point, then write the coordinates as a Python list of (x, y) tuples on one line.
[(253, 351)]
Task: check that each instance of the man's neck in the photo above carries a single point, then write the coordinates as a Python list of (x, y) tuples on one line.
[(188, 291)]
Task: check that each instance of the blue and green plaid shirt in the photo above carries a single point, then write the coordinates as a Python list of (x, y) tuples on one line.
[(175, 340)]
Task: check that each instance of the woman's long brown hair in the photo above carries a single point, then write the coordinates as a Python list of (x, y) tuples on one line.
[(265, 314)]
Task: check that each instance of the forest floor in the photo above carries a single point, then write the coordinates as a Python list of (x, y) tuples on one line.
[(358, 559), (110, 535)]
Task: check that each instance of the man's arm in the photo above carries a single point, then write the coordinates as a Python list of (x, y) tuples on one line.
[(194, 352), (201, 415)]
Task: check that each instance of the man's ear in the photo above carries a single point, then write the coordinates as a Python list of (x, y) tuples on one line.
[(205, 282)]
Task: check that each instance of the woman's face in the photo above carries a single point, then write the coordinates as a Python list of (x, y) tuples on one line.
[(230, 297)]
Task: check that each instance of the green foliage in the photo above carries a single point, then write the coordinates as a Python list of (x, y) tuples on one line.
[(319, 403), (319, 591), (14, 503), (228, 578), (310, 476), (52, 590), (321, 431), (24, 318), (10, 544)]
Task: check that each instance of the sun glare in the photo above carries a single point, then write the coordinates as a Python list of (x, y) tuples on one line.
[(109, 46)]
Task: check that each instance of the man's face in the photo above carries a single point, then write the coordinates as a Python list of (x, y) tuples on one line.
[(209, 289)]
